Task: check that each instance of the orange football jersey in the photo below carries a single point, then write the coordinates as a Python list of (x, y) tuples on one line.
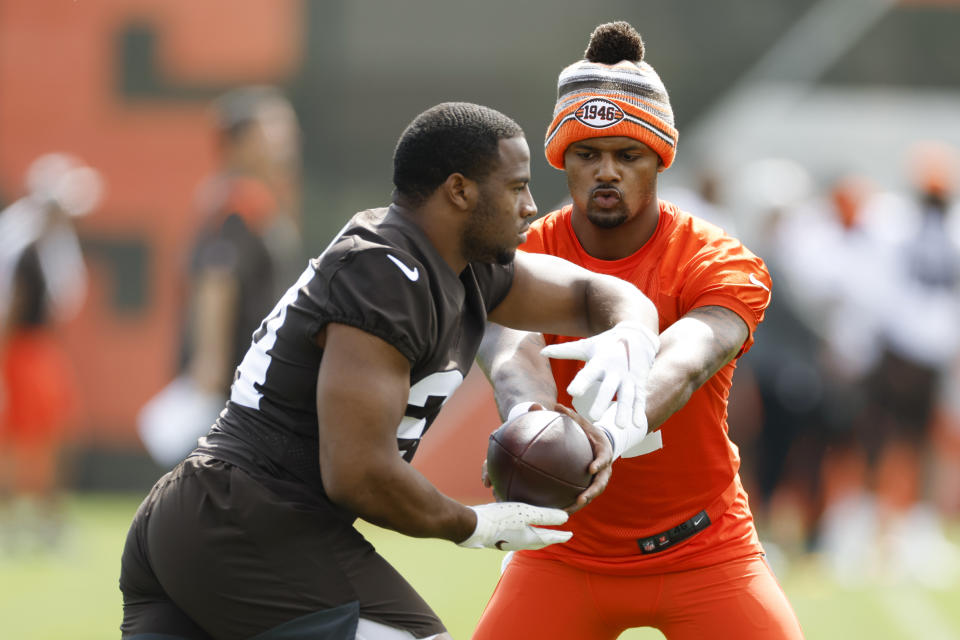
[(687, 263)]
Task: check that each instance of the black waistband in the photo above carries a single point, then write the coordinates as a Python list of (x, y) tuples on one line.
[(666, 539)]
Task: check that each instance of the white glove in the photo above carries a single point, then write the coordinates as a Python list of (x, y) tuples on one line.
[(507, 526), (625, 441), (618, 362), (518, 409)]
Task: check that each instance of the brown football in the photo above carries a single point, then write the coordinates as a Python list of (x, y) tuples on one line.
[(541, 458)]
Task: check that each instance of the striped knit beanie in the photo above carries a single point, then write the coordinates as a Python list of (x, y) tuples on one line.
[(612, 92)]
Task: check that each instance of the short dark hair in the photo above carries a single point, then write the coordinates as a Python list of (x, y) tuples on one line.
[(452, 137)]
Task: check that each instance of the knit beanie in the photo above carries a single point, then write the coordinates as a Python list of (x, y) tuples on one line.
[(612, 92)]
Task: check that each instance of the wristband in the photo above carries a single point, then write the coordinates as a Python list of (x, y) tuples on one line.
[(519, 408)]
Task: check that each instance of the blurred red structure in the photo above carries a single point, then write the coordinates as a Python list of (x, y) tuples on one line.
[(126, 86)]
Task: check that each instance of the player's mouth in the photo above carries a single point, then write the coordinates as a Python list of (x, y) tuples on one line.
[(606, 197), (523, 233)]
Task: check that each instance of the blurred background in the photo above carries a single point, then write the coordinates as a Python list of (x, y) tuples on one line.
[(166, 164)]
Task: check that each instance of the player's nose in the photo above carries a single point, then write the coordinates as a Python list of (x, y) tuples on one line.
[(528, 207), (607, 169)]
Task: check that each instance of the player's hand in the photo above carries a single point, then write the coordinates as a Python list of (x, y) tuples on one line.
[(602, 458), (627, 443), (509, 526), (516, 410), (618, 363)]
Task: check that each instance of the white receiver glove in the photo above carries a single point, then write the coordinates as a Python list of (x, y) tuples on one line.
[(618, 362), (508, 526), (518, 409), (626, 442)]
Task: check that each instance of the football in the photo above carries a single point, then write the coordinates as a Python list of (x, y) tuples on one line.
[(541, 458)]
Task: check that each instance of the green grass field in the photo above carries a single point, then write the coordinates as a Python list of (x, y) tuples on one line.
[(72, 592)]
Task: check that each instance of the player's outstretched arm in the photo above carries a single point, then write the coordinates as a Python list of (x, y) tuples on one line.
[(555, 296), (692, 350), (512, 362), (362, 391), (552, 295)]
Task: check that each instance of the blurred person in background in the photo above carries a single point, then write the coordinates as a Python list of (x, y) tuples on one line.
[(877, 274), (42, 285), (832, 265), (945, 477), (671, 543), (779, 434), (919, 335), (945, 473), (248, 241)]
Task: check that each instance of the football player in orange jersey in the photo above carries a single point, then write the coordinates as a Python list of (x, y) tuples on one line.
[(671, 543)]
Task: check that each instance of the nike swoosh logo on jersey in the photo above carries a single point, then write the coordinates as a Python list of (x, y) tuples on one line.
[(499, 544), (412, 274), (755, 281)]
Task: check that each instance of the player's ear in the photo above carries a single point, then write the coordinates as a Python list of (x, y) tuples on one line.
[(461, 191)]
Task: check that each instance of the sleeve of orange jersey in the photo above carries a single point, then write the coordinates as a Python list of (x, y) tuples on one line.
[(728, 275)]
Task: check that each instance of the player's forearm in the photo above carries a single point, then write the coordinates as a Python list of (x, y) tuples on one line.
[(363, 389), (517, 371), (391, 494), (213, 327), (609, 301), (692, 350), (668, 390), (551, 295)]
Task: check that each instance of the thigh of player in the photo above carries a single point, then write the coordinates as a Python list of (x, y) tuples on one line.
[(239, 560), (540, 598), (738, 599)]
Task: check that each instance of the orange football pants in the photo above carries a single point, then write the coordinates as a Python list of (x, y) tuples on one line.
[(540, 598)]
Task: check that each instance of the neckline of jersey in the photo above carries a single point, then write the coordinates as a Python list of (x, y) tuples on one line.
[(620, 264), (424, 247)]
